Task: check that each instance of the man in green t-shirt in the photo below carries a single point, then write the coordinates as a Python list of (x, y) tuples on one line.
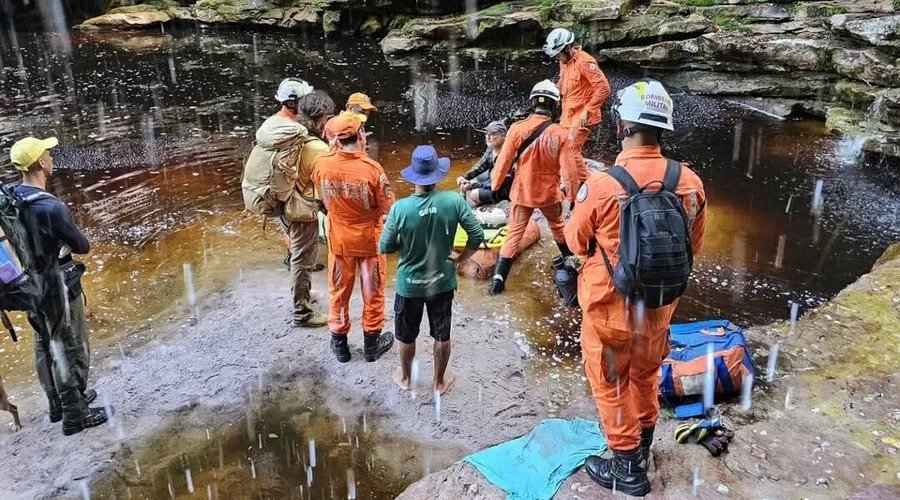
[(421, 227)]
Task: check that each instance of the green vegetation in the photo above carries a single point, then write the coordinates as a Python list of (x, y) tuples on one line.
[(833, 10), (729, 22), (702, 3)]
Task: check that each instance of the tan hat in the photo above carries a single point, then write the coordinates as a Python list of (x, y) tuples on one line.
[(26, 151), (361, 100)]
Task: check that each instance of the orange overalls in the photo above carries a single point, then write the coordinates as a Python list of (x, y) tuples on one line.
[(548, 160), (624, 347), (583, 87), (357, 195)]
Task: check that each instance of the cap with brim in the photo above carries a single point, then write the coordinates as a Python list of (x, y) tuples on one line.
[(493, 128), (361, 100), (26, 151), (426, 168), (345, 124)]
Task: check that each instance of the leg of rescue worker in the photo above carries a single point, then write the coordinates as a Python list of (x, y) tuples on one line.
[(607, 362), (553, 214), (304, 238), (373, 276), (341, 276), (647, 354), (75, 338), (43, 365), (518, 220), (74, 407)]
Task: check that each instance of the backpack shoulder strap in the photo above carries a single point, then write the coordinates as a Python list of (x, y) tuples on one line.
[(533, 137), (624, 179), (33, 197), (673, 175)]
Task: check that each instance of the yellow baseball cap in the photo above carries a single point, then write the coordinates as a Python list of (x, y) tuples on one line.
[(361, 100), (26, 151)]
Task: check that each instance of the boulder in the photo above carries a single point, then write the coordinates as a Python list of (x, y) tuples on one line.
[(648, 29), (395, 43), (742, 13), (370, 26), (137, 16), (330, 21), (868, 65), (601, 10), (881, 31), (798, 85)]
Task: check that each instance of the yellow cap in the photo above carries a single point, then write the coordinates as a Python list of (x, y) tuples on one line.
[(361, 100), (26, 151)]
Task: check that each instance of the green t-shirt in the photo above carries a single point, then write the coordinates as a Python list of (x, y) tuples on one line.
[(422, 227)]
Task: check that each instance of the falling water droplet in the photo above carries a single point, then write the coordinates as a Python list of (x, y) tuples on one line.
[(746, 391), (779, 255), (437, 406), (312, 452), (696, 481), (351, 485), (709, 378), (817, 201), (190, 480), (773, 359), (414, 378)]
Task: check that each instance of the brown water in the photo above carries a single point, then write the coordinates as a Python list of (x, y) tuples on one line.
[(154, 127)]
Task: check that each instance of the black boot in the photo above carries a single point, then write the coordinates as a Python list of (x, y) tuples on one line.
[(564, 249), (646, 442), (93, 418), (55, 410), (377, 344), (339, 347), (625, 472), (89, 396), (498, 283)]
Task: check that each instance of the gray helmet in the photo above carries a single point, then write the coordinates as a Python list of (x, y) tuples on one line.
[(557, 40)]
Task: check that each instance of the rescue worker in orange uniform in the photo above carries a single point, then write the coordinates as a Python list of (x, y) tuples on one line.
[(623, 344), (544, 164), (357, 197), (583, 86)]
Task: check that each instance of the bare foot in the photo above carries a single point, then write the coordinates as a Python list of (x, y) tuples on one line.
[(402, 383), (448, 381)]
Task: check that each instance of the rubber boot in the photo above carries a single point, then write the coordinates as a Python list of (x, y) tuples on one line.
[(339, 347), (93, 418), (625, 472), (315, 320), (498, 283), (55, 410), (646, 442), (89, 396), (564, 249), (377, 344)]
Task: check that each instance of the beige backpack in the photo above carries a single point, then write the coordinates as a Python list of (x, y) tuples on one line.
[(268, 183)]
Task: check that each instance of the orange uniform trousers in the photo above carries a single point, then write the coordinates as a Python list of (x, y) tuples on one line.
[(623, 370), (342, 272), (519, 215)]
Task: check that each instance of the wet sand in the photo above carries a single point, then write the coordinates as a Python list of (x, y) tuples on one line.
[(204, 374)]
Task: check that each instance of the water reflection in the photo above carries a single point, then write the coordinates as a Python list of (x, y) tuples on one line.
[(154, 129)]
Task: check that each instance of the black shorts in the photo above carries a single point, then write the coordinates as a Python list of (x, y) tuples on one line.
[(408, 316)]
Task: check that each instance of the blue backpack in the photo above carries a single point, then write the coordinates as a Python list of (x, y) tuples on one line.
[(683, 371)]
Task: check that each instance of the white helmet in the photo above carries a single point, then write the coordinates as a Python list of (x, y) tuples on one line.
[(645, 102), (557, 40), (291, 89), (545, 88)]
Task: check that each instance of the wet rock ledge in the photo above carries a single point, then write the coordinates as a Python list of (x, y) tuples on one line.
[(833, 59)]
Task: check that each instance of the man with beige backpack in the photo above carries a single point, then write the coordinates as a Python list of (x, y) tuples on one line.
[(276, 182)]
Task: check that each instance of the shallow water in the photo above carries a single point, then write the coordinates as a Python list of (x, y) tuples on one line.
[(154, 128)]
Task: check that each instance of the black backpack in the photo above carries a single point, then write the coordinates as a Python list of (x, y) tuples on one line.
[(26, 292), (655, 256)]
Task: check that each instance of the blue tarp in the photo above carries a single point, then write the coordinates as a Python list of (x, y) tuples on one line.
[(534, 466)]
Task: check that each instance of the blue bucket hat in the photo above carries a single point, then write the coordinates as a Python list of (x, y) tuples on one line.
[(426, 168)]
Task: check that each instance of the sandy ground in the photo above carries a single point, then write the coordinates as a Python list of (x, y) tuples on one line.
[(243, 343)]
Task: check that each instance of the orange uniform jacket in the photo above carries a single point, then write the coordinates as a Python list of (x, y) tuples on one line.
[(596, 217), (357, 195), (583, 86), (549, 159)]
